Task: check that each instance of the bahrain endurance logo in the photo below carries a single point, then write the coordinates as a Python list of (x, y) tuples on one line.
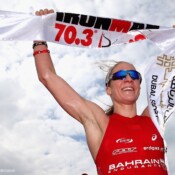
[(135, 164)]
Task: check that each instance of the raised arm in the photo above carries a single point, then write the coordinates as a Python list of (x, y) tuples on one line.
[(66, 96), (90, 115)]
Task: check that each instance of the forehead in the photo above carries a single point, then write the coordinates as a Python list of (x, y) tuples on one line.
[(123, 66)]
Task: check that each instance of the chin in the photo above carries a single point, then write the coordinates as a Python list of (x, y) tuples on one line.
[(130, 100)]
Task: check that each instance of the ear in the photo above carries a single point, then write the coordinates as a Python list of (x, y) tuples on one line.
[(108, 90)]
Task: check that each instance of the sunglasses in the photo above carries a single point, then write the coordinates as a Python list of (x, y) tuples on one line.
[(121, 75)]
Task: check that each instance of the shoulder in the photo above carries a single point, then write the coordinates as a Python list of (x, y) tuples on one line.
[(145, 119), (145, 112)]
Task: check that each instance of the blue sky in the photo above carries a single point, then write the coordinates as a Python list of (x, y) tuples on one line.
[(37, 136)]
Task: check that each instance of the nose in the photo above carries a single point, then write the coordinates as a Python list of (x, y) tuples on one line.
[(128, 78)]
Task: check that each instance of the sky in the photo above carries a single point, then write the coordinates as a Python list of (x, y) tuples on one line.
[(37, 137)]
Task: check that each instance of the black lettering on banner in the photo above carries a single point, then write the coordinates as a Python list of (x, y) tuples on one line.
[(59, 16), (70, 18), (153, 103), (140, 26), (149, 26), (102, 23), (136, 26), (153, 93), (87, 21), (173, 83), (153, 85), (171, 94), (84, 20)]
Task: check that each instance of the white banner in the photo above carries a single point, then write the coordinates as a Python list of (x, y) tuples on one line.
[(160, 78), (75, 29), (90, 31)]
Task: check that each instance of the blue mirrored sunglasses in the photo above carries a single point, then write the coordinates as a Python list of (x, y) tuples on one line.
[(121, 75)]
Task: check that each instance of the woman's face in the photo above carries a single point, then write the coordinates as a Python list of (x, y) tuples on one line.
[(124, 91)]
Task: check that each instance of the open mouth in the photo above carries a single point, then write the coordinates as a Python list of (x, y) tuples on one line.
[(128, 89)]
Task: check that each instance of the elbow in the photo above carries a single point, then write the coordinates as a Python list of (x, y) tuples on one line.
[(45, 77)]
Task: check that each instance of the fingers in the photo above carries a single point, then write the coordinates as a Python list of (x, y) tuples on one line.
[(44, 12)]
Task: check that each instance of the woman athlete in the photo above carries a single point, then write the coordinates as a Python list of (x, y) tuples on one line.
[(121, 143)]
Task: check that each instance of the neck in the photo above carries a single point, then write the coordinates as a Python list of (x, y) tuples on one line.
[(125, 110)]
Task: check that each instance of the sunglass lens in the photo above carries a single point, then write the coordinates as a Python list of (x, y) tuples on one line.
[(134, 74), (120, 75)]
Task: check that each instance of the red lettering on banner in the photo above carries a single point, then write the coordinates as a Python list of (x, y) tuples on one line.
[(61, 28), (137, 38), (100, 42), (120, 26), (89, 34), (69, 34)]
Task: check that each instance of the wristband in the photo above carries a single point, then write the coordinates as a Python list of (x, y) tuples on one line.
[(41, 51), (39, 43)]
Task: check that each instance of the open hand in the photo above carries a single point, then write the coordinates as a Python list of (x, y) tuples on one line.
[(44, 12)]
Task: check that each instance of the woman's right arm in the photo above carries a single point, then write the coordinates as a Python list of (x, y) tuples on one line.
[(65, 95), (78, 107)]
